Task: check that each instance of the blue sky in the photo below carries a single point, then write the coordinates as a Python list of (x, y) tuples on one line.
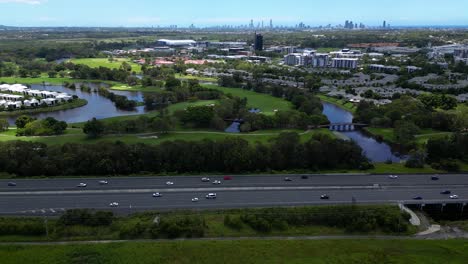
[(236, 12)]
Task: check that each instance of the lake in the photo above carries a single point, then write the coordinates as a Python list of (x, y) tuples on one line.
[(98, 106)]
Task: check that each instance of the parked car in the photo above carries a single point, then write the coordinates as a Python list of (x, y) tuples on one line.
[(82, 185), (12, 184), (211, 196)]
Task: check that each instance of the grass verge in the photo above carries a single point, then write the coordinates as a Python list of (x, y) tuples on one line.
[(252, 251), (341, 103)]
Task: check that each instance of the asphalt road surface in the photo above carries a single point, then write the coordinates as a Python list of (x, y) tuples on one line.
[(36, 197)]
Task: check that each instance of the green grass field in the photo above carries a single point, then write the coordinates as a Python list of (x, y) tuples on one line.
[(104, 62), (266, 103), (54, 81), (75, 135), (191, 77), (341, 103), (246, 252), (388, 134), (183, 106)]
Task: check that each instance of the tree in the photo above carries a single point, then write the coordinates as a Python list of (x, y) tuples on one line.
[(23, 120), (4, 125), (405, 132), (52, 74), (172, 82), (93, 128)]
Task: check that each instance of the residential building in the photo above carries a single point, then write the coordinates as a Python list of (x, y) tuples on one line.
[(347, 63), (320, 60)]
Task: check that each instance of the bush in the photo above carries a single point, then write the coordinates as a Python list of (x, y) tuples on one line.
[(352, 219), (233, 222), (447, 165), (86, 218), (26, 227)]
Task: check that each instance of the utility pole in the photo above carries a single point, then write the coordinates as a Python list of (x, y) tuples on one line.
[(46, 225)]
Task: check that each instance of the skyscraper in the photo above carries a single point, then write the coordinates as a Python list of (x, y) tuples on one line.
[(271, 23), (384, 24), (258, 42)]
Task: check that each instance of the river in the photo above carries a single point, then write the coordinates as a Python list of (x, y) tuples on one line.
[(374, 150)]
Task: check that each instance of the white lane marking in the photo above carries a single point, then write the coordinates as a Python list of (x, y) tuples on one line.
[(180, 190)]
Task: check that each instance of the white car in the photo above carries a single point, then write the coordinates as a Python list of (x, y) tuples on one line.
[(211, 196), (194, 200), (454, 197), (205, 179), (393, 177), (114, 204), (157, 195), (217, 182), (103, 182), (82, 185), (169, 183)]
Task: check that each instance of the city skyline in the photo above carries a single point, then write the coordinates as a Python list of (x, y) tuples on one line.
[(207, 13)]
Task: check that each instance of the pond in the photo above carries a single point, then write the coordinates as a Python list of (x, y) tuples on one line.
[(98, 106), (374, 150)]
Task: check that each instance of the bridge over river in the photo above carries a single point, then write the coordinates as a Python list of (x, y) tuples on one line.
[(341, 126)]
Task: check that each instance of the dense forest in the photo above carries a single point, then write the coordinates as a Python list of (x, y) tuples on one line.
[(232, 155)]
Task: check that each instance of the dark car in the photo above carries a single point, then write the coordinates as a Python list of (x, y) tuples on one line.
[(288, 179), (304, 177), (325, 197), (435, 178), (417, 198), (446, 192), (12, 184)]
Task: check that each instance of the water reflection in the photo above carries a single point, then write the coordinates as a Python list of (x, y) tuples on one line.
[(98, 106), (374, 150)]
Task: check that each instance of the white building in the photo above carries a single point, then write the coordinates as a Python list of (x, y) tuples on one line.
[(345, 63), (176, 43), (320, 60), (294, 59), (412, 69), (383, 68)]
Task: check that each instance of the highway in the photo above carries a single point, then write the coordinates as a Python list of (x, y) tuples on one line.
[(36, 197)]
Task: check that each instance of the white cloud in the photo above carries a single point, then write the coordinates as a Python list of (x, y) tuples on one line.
[(29, 2)]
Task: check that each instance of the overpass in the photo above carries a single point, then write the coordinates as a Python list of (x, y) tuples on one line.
[(134, 194)]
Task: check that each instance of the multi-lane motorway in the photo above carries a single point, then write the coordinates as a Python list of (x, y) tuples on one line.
[(135, 194)]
